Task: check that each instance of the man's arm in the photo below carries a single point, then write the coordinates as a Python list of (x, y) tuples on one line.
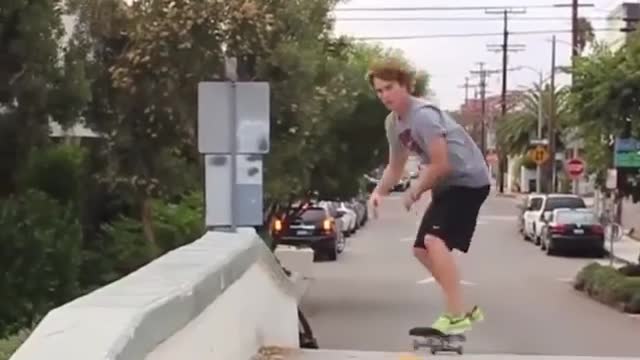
[(393, 171), (398, 156), (431, 129)]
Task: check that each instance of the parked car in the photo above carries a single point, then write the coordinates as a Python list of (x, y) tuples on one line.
[(530, 209), (374, 178), (349, 218), (360, 207), (402, 184), (315, 227), (550, 202), (572, 229)]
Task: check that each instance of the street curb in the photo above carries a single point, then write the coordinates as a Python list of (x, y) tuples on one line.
[(511, 196), (620, 259)]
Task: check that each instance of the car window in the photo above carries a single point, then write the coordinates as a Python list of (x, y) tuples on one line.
[(536, 204), (576, 217), (313, 214), (564, 202)]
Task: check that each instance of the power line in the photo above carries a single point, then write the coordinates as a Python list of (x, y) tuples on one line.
[(471, 18), (442, 36), (456, 8)]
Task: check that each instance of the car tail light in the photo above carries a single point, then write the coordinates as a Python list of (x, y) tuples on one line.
[(327, 225), (558, 229), (277, 225)]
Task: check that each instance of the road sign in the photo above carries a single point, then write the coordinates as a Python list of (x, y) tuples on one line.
[(575, 168), (233, 135), (233, 111), (539, 154), (539, 142)]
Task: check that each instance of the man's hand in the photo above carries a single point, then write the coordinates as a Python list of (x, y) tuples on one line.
[(411, 195), (374, 201)]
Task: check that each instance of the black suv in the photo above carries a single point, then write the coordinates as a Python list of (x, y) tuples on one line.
[(314, 227)]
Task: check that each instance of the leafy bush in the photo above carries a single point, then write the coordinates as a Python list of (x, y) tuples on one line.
[(610, 286), (630, 270), (56, 170), (9, 345), (174, 225), (633, 306), (126, 247), (180, 223), (40, 245)]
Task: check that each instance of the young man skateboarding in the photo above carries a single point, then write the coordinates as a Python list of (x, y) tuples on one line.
[(456, 174)]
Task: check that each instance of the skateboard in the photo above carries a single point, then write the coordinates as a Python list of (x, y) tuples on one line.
[(436, 340)]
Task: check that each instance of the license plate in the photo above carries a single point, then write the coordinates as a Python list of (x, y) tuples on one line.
[(578, 231), (303, 232)]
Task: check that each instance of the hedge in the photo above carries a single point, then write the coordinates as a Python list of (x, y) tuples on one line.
[(617, 287), (9, 345)]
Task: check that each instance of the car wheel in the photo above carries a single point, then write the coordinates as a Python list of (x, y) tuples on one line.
[(340, 245), (332, 254), (549, 248)]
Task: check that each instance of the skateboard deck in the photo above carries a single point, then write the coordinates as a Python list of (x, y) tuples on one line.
[(437, 341)]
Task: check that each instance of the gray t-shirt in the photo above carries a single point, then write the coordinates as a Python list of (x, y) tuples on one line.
[(422, 123)]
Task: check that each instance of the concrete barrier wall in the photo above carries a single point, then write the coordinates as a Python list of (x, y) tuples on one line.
[(220, 297)]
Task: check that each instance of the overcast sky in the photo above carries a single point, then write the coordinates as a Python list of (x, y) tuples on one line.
[(449, 60)]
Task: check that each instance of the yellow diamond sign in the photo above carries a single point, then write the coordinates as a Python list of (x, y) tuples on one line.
[(539, 154)]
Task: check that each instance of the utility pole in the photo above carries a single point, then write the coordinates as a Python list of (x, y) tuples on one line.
[(483, 86), (574, 31), (552, 120), (466, 87), (483, 111), (574, 55), (484, 73), (502, 160)]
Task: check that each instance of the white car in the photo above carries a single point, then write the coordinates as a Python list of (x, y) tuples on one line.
[(349, 218), (533, 210)]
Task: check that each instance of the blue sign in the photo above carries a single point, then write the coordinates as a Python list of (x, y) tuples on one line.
[(626, 153)]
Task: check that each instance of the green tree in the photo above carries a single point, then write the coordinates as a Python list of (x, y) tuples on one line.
[(605, 100), (516, 131), (38, 82)]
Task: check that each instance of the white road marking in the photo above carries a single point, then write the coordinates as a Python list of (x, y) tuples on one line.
[(426, 281), (565, 280), (634, 316), (432, 280), (408, 239)]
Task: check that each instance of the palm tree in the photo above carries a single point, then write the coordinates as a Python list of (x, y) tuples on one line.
[(515, 133)]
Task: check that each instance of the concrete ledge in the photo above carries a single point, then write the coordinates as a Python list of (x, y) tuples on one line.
[(296, 354), (129, 318)]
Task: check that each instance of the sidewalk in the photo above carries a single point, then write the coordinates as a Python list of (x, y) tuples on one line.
[(625, 250)]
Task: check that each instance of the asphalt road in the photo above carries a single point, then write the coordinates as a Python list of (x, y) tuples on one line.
[(376, 291)]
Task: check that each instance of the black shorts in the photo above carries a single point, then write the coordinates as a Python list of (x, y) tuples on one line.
[(452, 216)]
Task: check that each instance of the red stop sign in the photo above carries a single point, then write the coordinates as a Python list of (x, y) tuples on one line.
[(575, 168)]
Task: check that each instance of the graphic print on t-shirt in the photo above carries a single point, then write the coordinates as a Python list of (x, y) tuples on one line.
[(407, 141)]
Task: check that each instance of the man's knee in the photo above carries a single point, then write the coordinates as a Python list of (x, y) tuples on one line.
[(419, 252), (433, 242)]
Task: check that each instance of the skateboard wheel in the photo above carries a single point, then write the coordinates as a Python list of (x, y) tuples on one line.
[(433, 351), (416, 345)]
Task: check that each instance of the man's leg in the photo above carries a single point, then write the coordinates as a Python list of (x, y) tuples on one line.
[(435, 254), (437, 257)]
